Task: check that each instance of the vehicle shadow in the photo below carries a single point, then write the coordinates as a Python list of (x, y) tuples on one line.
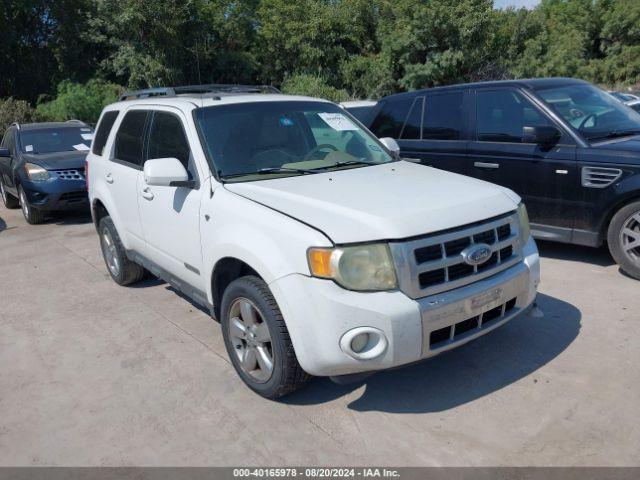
[(575, 253), (3, 224), (462, 375)]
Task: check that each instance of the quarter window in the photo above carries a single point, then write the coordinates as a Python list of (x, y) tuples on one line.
[(501, 116), (129, 139), (443, 116), (104, 129), (167, 139)]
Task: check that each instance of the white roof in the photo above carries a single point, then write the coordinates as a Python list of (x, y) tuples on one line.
[(189, 101), (358, 103)]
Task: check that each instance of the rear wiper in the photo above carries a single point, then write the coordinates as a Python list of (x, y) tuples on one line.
[(617, 134)]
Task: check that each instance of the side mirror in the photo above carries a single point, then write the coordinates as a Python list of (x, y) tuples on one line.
[(166, 172), (543, 135), (4, 152), (391, 145)]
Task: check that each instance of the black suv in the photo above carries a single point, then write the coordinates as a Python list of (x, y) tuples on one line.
[(568, 148), (42, 167)]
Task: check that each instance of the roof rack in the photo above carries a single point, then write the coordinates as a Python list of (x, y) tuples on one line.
[(16, 124), (213, 89), (75, 120)]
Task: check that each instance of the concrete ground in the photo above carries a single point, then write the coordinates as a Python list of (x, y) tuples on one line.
[(96, 374)]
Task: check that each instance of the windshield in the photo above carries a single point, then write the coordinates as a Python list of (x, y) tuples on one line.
[(595, 114), (259, 140), (50, 140)]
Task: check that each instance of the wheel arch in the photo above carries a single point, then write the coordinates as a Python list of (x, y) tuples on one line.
[(615, 208), (225, 271)]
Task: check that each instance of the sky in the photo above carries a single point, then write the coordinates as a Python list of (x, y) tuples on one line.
[(515, 3)]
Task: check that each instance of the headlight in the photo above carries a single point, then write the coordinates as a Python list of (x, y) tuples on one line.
[(362, 267), (523, 218), (36, 173)]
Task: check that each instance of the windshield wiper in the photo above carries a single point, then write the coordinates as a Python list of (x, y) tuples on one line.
[(617, 134), (343, 164), (268, 170)]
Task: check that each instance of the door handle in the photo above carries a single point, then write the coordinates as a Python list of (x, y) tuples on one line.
[(146, 193), (109, 178), (486, 166)]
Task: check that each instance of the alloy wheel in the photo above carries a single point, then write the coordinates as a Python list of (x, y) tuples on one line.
[(251, 340), (630, 237), (24, 204), (110, 252), (3, 192)]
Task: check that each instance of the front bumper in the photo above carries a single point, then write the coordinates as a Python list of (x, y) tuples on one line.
[(55, 195), (319, 314)]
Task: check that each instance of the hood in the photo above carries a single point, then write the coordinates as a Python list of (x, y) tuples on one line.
[(383, 202), (57, 160)]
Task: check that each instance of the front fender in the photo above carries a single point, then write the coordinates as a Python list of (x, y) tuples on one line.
[(271, 243)]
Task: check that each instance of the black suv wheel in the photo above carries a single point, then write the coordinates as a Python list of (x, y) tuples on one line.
[(8, 200), (257, 339), (624, 239), (32, 215)]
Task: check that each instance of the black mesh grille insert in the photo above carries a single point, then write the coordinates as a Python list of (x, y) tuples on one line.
[(493, 259), (465, 326), (441, 335), (485, 237), (426, 254), (433, 277), (454, 247), (492, 315), (460, 270), (504, 231), (506, 252)]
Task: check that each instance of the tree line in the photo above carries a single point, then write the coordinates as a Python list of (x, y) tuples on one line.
[(69, 57)]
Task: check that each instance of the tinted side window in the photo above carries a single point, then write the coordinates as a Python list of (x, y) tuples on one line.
[(412, 126), (129, 139), (502, 114), (389, 122), (104, 129), (167, 139), (443, 116)]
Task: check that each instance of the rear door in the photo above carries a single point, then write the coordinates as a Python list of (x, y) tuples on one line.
[(544, 177), (430, 127), (7, 163), (170, 215)]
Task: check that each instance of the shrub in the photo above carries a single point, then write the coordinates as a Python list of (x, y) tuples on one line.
[(304, 84), (12, 110), (81, 101)]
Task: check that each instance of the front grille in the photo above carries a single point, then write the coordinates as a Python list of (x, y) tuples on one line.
[(447, 335), (435, 264), (76, 174)]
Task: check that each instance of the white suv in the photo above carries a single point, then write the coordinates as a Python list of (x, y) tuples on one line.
[(319, 251)]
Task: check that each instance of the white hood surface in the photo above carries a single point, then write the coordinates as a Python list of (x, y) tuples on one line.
[(382, 202)]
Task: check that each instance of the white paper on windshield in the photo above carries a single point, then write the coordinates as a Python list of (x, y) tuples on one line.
[(81, 146), (28, 148), (338, 121), (87, 136)]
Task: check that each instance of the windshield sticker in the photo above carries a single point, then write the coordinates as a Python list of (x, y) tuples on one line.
[(338, 121), (286, 122), (85, 129), (81, 146), (375, 148), (28, 148), (87, 136)]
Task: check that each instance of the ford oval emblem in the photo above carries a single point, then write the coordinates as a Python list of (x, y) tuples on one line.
[(477, 254)]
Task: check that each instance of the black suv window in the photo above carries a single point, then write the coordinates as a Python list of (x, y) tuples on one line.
[(390, 120), (129, 139), (104, 129), (502, 114), (413, 124), (443, 116), (167, 139), (9, 140)]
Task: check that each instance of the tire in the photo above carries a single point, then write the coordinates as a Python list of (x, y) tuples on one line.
[(8, 200), (122, 270), (623, 238), (286, 374), (32, 215)]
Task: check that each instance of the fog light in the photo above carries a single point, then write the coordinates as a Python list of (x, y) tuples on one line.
[(359, 342)]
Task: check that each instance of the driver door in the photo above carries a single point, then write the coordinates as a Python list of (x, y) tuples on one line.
[(170, 216), (547, 179)]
